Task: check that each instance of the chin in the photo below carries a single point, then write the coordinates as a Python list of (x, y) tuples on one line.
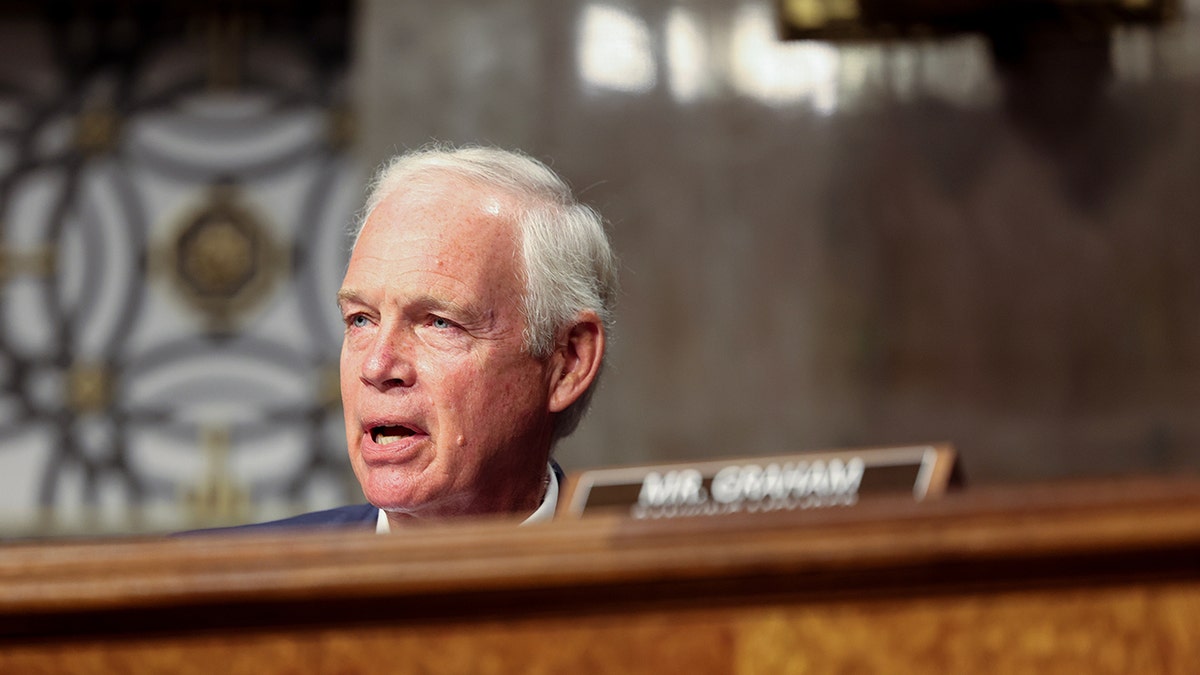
[(390, 492)]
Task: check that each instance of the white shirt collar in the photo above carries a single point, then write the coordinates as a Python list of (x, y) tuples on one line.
[(544, 513)]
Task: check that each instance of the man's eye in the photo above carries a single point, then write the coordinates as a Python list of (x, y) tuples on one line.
[(358, 321), (439, 322)]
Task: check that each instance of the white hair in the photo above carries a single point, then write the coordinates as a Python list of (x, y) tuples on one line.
[(569, 265)]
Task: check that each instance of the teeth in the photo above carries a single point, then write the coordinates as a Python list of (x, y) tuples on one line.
[(387, 435)]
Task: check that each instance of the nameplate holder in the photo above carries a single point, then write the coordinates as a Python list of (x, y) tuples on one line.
[(791, 482)]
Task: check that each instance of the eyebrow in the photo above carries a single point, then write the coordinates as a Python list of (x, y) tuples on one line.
[(426, 302), (348, 295), (457, 311)]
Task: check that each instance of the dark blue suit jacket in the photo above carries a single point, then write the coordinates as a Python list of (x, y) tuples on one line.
[(357, 517)]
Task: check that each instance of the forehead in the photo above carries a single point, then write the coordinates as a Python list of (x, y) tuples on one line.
[(443, 226)]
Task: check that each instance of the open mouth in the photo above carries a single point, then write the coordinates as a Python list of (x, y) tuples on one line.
[(387, 435)]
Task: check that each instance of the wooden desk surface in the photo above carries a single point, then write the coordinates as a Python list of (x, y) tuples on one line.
[(1098, 576)]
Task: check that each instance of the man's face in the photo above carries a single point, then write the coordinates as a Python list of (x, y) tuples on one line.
[(446, 412)]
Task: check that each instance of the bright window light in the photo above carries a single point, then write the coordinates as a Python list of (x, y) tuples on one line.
[(615, 50), (688, 67), (781, 72)]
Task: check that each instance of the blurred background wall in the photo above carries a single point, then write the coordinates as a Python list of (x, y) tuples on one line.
[(993, 242)]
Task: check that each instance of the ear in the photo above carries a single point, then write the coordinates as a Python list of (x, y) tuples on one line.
[(576, 361)]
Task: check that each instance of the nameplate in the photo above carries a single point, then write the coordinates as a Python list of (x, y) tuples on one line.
[(810, 480)]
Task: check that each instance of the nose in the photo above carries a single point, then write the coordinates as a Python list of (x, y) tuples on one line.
[(388, 361)]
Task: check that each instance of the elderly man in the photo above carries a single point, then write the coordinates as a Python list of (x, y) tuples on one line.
[(476, 305)]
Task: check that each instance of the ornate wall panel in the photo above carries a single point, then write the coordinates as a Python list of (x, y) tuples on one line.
[(824, 244), (175, 195)]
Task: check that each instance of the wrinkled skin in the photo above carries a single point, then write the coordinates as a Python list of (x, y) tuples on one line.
[(446, 413)]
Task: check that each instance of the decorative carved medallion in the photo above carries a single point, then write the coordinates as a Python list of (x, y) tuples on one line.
[(89, 387), (97, 131), (223, 258)]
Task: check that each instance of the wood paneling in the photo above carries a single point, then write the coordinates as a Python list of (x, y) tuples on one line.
[(1085, 577)]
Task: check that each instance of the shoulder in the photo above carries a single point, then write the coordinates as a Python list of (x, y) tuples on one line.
[(342, 515), (358, 516)]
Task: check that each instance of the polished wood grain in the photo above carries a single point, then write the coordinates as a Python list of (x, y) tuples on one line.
[(1079, 577)]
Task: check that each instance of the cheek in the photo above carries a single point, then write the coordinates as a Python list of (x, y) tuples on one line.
[(345, 368), (482, 398), (347, 392), (514, 401), (346, 384), (353, 437)]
